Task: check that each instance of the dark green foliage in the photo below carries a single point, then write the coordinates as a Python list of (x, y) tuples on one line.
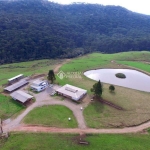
[(120, 75), (51, 76), (97, 89), (111, 88), (37, 29)]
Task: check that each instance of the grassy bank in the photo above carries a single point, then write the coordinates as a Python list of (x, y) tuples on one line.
[(8, 107), (45, 141), (53, 115)]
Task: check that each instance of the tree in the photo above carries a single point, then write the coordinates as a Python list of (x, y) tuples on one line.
[(51, 76), (111, 88), (97, 88)]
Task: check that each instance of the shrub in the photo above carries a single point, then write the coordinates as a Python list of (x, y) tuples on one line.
[(120, 75), (111, 88)]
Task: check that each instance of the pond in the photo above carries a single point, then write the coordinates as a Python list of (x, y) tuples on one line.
[(134, 79)]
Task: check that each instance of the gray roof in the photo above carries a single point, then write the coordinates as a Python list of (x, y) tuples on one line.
[(37, 82), (16, 85), (74, 92), (21, 96)]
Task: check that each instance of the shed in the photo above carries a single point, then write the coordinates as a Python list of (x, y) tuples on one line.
[(15, 79), (21, 96), (15, 86), (72, 92)]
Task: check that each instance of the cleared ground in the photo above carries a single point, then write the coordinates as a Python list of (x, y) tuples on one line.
[(54, 116), (45, 141)]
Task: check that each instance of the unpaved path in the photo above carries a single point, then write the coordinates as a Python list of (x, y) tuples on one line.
[(59, 65), (24, 128), (50, 101)]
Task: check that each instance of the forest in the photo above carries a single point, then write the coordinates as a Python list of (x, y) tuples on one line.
[(39, 29)]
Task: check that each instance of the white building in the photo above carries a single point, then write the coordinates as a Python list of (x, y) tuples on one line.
[(15, 79), (71, 92), (39, 85)]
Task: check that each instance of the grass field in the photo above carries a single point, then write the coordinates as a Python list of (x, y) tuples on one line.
[(46, 141), (8, 107), (135, 103), (53, 115), (26, 68), (140, 65)]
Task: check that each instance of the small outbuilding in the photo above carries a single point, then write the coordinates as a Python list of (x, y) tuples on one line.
[(39, 85), (72, 92), (15, 79), (16, 86), (21, 96)]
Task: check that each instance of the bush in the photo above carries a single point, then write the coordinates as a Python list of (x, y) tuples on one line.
[(111, 88), (120, 75)]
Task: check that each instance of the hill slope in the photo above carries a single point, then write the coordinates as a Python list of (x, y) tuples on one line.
[(35, 29)]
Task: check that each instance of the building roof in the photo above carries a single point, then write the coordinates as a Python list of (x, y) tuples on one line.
[(74, 92), (20, 75), (37, 82), (16, 85), (21, 96)]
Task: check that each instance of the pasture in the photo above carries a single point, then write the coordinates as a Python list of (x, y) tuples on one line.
[(135, 103), (53, 115), (47, 141)]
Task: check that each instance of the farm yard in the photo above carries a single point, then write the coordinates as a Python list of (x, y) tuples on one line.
[(51, 111)]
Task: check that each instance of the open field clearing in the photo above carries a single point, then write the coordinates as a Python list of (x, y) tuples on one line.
[(45, 141), (8, 107), (135, 103), (54, 116), (27, 68)]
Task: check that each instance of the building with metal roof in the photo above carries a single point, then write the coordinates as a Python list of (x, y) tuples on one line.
[(72, 92), (15, 79), (21, 96), (16, 86)]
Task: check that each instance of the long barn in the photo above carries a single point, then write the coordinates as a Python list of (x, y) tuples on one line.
[(71, 92)]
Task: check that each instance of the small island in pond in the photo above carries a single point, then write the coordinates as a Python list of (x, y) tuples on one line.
[(120, 75)]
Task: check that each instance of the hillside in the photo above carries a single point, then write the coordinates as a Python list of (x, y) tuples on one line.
[(36, 29)]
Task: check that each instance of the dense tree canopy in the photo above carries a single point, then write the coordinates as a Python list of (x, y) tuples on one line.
[(36, 29)]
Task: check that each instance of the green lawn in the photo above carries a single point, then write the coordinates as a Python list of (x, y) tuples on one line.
[(140, 65), (53, 115), (46, 141), (8, 107)]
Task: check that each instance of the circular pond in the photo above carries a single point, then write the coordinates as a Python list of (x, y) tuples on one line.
[(134, 79)]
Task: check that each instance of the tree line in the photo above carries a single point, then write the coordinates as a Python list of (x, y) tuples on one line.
[(36, 29)]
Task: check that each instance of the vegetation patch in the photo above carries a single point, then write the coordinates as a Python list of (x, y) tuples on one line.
[(8, 107), (46, 141), (120, 75), (53, 115)]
